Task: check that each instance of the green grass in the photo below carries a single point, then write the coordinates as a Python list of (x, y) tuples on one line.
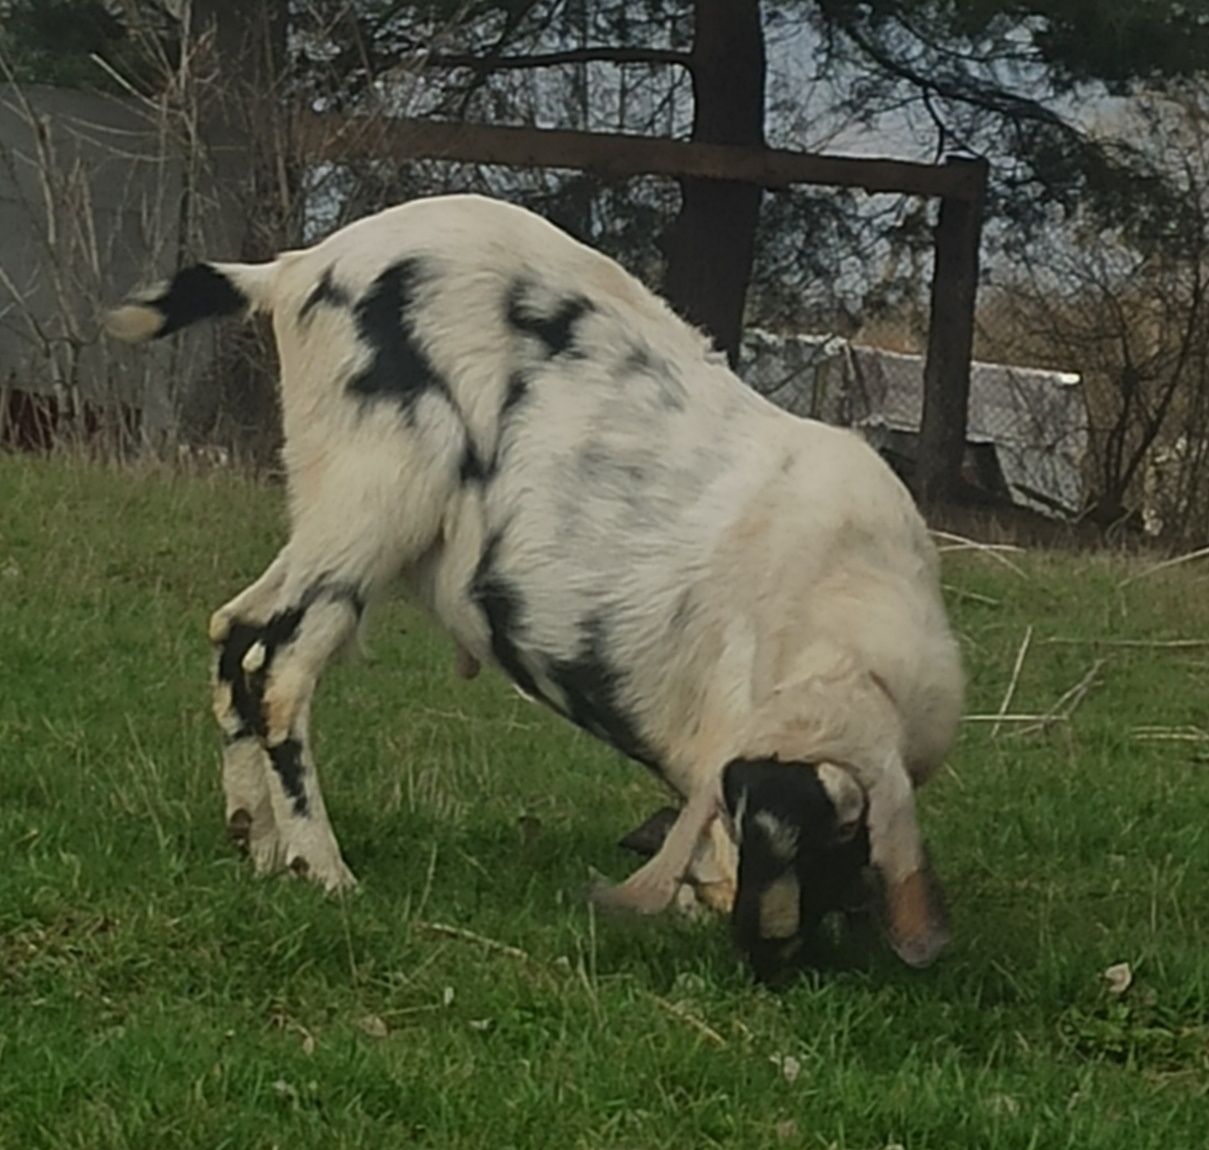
[(154, 994)]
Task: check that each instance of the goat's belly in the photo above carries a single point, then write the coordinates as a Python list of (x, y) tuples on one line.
[(570, 632), (594, 537), (579, 676)]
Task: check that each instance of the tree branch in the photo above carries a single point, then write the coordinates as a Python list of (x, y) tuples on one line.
[(484, 64), (965, 89)]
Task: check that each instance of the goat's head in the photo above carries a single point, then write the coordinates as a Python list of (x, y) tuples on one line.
[(806, 833)]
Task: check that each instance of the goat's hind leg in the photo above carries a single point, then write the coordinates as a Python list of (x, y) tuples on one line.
[(313, 622), (271, 643), (234, 628)]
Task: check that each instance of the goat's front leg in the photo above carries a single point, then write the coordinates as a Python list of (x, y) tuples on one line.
[(652, 887), (712, 876)]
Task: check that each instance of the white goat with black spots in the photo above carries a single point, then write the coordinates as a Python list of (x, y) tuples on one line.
[(582, 493)]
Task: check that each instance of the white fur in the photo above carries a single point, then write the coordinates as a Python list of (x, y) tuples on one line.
[(760, 583)]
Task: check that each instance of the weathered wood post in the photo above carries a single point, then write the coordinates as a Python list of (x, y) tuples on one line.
[(946, 400)]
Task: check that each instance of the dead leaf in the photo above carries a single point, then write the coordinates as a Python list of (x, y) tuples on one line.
[(789, 1066), (1003, 1104), (1118, 978), (374, 1026), (786, 1129)]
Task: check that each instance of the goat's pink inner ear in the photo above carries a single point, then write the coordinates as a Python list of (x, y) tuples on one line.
[(916, 919)]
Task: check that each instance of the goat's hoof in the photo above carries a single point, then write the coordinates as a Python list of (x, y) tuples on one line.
[(634, 899), (239, 830), (465, 664), (335, 878)]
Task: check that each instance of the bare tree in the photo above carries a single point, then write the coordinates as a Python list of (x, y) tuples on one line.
[(1128, 307)]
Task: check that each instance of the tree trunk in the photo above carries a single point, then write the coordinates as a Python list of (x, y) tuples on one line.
[(942, 436), (250, 184), (711, 243)]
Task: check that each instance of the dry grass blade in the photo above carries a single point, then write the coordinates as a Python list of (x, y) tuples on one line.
[(1140, 644), (1065, 706), (463, 935), (965, 541), (1154, 734), (460, 934), (687, 1016), (991, 550), (973, 596), (999, 718), (1010, 693), (1166, 565)]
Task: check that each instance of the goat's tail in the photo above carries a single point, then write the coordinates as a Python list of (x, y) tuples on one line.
[(202, 291)]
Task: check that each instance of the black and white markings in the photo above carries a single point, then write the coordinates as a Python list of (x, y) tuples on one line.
[(245, 661), (586, 687), (551, 323), (549, 459), (398, 369), (326, 293)]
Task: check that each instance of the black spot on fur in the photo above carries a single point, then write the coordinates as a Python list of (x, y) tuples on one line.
[(502, 606), (399, 369), (247, 690), (471, 469), (196, 293), (282, 628), (328, 590), (556, 330), (326, 291), (589, 686), (518, 389), (637, 361), (286, 758), (592, 687), (829, 871), (658, 373)]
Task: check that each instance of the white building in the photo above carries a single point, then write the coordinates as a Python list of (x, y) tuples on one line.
[(1028, 429)]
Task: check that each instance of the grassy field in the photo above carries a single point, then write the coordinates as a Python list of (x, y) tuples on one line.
[(154, 994)]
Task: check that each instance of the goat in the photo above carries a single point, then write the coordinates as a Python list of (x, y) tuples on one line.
[(568, 478)]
